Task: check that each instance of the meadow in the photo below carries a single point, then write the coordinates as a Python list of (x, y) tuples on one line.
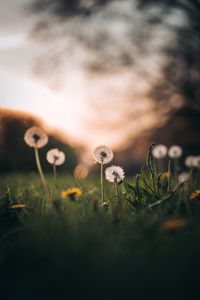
[(144, 244)]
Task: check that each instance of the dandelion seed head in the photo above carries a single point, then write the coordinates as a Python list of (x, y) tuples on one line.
[(183, 177), (197, 161), (105, 205), (175, 151), (190, 161), (103, 154), (159, 151), (55, 157), (35, 137), (115, 174)]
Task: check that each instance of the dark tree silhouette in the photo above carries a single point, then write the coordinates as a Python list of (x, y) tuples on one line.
[(15, 155)]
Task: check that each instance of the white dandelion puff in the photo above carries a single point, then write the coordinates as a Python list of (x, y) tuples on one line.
[(175, 151), (35, 137), (115, 174), (55, 157), (190, 161), (103, 154), (183, 177), (197, 161), (159, 151)]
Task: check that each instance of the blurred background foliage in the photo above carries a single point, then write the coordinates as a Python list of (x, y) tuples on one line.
[(146, 37)]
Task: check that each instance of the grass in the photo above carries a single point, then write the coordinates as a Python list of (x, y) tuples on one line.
[(61, 249)]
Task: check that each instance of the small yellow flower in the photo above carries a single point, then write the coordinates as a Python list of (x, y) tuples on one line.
[(167, 174), (71, 192), (173, 224), (195, 195), (17, 206)]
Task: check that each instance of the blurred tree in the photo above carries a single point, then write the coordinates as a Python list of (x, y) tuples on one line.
[(133, 35), (15, 155)]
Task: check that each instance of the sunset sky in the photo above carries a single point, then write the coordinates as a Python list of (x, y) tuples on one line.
[(93, 106)]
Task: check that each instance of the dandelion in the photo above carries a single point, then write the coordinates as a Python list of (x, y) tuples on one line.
[(173, 224), (102, 155), (166, 174), (17, 206), (175, 151), (56, 158), (183, 177), (73, 193), (36, 138), (105, 205), (115, 174), (195, 195), (190, 161), (197, 161), (159, 151)]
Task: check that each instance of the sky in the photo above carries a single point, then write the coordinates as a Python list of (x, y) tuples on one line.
[(108, 106), (20, 89)]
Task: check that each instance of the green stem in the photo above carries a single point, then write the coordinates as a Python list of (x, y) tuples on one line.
[(38, 163), (117, 194), (102, 182), (55, 173), (176, 167)]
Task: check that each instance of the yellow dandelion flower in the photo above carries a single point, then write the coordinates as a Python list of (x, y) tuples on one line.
[(167, 174), (17, 206), (72, 193), (173, 224), (195, 195)]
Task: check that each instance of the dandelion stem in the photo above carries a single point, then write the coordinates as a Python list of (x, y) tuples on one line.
[(176, 167), (117, 193), (55, 173), (116, 210), (102, 182), (39, 166)]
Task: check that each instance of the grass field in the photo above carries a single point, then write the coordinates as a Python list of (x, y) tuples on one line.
[(147, 247)]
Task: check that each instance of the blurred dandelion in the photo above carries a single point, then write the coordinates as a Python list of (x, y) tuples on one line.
[(35, 137), (183, 177), (175, 152), (17, 206), (190, 161), (197, 162), (195, 195), (102, 155), (166, 174), (159, 151), (105, 205), (73, 193), (173, 224), (56, 158)]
